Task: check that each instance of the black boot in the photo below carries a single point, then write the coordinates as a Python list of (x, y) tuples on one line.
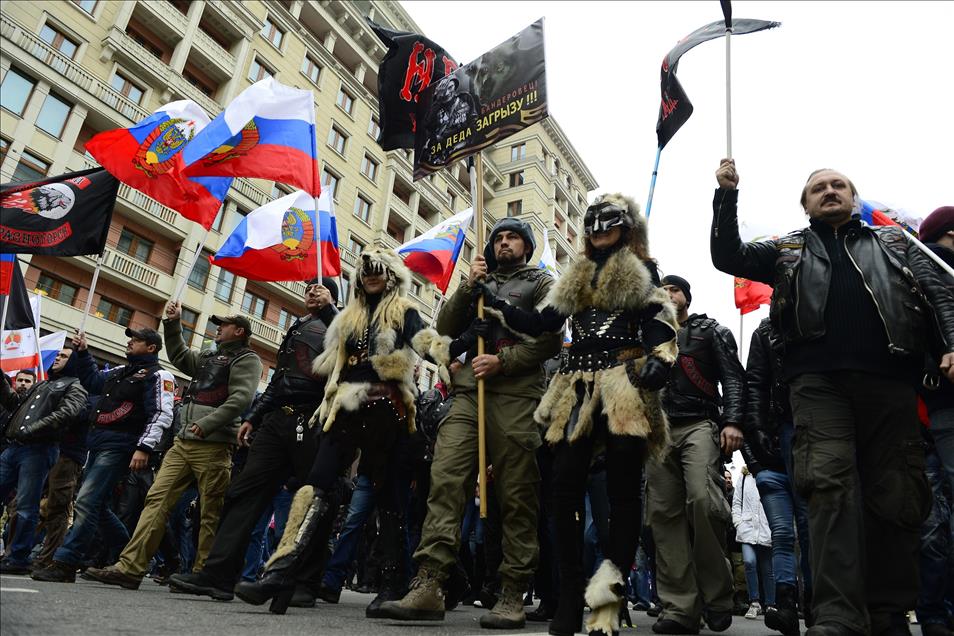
[(784, 616), (393, 582), (309, 508)]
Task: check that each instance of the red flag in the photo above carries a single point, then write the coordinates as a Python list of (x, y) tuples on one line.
[(750, 295)]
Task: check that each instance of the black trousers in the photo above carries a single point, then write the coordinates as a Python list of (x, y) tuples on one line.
[(274, 457), (625, 458), (858, 460)]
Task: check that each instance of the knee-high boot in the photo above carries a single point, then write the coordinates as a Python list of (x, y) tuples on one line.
[(393, 579), (310, 509), (568, 617)]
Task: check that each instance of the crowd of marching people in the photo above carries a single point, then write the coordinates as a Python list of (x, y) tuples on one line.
[(608, 484)]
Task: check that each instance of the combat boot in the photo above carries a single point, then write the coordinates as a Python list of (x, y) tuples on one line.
[(784, 616), (423, 602), (508, 612), (393, 580)]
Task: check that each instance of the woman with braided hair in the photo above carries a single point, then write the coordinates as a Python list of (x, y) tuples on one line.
[(604, 397)]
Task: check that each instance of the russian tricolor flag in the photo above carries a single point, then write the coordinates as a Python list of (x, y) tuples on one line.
[(279, 242), (7, 263), (149, 158), (434, 253), (267, 132)]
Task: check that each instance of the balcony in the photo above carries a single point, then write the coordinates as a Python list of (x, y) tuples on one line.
[(563, 244), (65, 69), (348, 259), (401, 209), (131, 273), (135, 56), (386, 240), (182, 86), (162, 16), (214, 60), (266, 333)]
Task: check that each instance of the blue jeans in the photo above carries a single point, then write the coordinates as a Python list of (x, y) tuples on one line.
[(103, 470), (942, 430), (25, 467), (786, 439), (758, 566), (936, 543), (775, 491), (362, 503), (258, 550)]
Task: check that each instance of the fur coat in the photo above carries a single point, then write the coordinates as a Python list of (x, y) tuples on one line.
[(391, 362), (623, 283)]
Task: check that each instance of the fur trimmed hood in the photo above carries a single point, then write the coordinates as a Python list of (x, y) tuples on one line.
[(384, 260)]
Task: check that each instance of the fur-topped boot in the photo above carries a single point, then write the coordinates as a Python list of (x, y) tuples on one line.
[(308, 510), (604, 595)]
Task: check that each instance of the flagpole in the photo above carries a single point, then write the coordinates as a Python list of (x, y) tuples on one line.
[(741, 337), (40, 372), (930, 254), (652, 184), (92, 288), (476, 184), (728, 90), (180, 286)]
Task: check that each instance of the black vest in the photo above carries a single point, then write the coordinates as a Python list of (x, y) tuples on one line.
[(120, 407), (301, 345), (696, 373), (210, 385)]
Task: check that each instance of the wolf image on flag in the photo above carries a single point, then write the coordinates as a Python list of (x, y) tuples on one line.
[(501, 92)]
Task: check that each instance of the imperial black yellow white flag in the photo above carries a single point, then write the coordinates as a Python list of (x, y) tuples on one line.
[(501, 92), (66, 215)]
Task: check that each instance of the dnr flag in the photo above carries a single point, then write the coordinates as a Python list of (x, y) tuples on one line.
[(411, 64), (67, 215)]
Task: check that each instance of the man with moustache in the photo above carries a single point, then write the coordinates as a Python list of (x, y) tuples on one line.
[(856, 309)]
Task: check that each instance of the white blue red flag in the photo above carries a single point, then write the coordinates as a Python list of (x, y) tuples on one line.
[(548, 261), (149, 158), (434, 253), (279, 241), (7, 263), (18, 345), (267, 132)]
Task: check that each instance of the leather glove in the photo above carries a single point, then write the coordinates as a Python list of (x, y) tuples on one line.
[(763, 446), (468, 340), (654, 374), (490, 298)]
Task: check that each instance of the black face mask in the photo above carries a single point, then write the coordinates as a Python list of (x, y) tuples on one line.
[(604, 216)]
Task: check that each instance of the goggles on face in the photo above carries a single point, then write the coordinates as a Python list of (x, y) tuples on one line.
[(604, 216)]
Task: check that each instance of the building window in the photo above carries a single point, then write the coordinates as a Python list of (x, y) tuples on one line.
[(224, 286), (30, 168), (140, 39), (374, 128), (311, 69), (126, 88), (345, 101), (285, 319), (518, 152), (355, 245), (515, 208), (337, 140), (188, 319), (135, 246), (272, 33), (362, 208), (269, 373), (258, 71), (345, 289), (516, 179), (330, 180), (15, 91), (58, 41), (53, 114), (182, 6), (204, 86), (254, 305), (114, 312), (200, 273), (369, 167), (416, 288), (279, 191), (451, 201), (86, 5), (217, 221), (57, 289), (4, 147), (467, 251)]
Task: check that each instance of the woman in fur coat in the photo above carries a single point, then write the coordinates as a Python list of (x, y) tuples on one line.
[(371, 350), (604, 397)]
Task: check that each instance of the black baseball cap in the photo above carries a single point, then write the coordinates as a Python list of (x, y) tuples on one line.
[(238, 321), (147, 335)]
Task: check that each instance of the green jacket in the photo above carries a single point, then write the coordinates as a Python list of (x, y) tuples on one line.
[(218, 424), (522, 363)]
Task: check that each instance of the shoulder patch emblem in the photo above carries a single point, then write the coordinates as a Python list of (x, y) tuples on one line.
[(168, 385)]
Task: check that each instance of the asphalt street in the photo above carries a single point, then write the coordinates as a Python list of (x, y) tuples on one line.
[(29, 608)]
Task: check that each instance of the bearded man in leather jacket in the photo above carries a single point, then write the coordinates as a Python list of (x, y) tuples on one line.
[(854, 308), (283, 445), (38, 418)]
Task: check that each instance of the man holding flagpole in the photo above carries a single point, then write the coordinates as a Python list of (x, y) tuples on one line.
[(513, 371)]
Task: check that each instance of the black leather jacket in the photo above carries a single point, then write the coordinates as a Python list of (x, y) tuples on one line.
[(707, 358), (904, 284), (293, 383), (766, 400), (45, 411)]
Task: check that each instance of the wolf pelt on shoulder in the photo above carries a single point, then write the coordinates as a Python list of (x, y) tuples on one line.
[(392, 364)]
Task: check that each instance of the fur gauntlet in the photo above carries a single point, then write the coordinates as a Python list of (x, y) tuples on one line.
[(604, 593)]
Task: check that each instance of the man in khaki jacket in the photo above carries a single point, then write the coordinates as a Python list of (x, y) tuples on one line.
[(224, 379)]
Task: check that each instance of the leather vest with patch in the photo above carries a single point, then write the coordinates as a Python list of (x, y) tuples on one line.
[(696, 373), (210, 385), (519, 291), (301, 345), (120, 406)]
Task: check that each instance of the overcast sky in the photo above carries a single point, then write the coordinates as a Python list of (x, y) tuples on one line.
[(864, 88)]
